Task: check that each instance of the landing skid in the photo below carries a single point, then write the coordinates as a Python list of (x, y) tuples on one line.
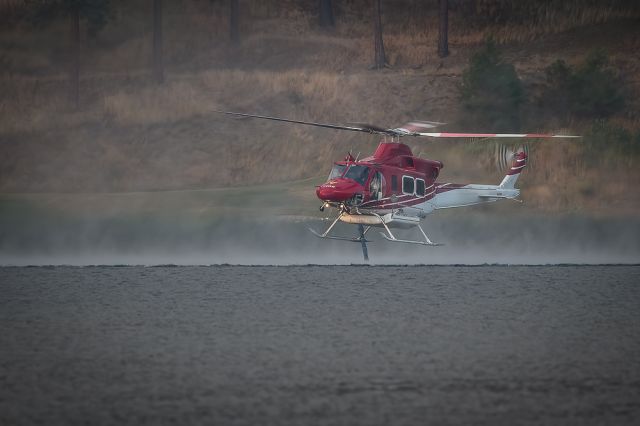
[(362, 231), (393, 239), (334, 237)]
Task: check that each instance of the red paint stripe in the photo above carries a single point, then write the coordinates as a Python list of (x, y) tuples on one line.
[(387, 204), (519, 164)]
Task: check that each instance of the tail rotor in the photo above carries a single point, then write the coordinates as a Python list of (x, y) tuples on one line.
[(505, 154)]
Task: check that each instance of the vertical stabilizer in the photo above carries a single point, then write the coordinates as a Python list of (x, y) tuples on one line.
[(519, 163)]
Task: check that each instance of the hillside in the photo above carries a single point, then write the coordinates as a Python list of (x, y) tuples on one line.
[(131, 134)]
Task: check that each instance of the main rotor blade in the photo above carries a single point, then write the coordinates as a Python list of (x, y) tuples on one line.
[(494, 135), (409, 129), (366, 128), (413, 128)]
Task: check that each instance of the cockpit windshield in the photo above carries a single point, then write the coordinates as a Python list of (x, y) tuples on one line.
[(358, 173), (337, 171)]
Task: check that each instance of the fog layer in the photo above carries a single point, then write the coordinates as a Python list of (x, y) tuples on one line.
[(469, 237)]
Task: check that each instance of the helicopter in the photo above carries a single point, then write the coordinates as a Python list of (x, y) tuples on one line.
[(393, 189)]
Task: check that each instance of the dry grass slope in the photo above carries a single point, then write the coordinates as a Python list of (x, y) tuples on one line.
[(131, 134)]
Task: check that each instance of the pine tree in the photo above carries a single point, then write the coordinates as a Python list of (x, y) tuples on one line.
[(380, 59), (94, 12), (234, 19), (158, 65), (326, 13), (443, 33)]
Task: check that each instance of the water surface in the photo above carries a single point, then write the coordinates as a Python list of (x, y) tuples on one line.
[(320, 345)]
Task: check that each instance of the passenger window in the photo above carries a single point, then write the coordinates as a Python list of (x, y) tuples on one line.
[(420, 187), (407, 184), (394, 184)]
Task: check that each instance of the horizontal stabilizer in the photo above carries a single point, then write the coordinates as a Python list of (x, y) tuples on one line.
[(500, 197)]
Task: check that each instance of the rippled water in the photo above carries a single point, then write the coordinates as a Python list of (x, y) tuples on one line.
[(320, 345)]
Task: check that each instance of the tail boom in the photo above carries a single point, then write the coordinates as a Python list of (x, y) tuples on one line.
[(455, 195)]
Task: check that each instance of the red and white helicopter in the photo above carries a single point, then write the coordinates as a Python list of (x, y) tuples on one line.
[(394, 189)]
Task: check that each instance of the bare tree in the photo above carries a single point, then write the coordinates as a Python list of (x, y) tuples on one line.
[(443, 33), (234, 31), (74, 69), (380, 59), (158, 65), (419, 10), (326, 13)]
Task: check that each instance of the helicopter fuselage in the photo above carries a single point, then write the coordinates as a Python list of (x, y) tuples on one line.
[(392, 188), (391, 178)]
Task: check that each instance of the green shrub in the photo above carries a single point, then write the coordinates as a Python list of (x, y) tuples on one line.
[(491, 92), (606, 141), (565, 13), (592, 90)]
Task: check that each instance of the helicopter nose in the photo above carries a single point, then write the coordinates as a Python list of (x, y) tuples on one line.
[(340, 189)]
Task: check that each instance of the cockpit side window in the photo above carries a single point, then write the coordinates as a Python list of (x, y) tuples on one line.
[(376, 186)]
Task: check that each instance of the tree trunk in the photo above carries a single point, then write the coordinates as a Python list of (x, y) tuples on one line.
[(158, 65), (380, 59), (443, 34), (419, 15), (234, 31), (74, 69), (326, 13)]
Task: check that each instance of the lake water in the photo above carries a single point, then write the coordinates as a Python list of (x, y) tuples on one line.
[(352, 345)]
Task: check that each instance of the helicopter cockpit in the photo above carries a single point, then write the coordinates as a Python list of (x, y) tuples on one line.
[(356, 172)]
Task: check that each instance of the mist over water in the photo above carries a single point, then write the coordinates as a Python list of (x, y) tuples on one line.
[(470, 237)]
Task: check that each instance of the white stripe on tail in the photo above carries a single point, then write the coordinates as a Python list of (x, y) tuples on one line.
[(519, 163)]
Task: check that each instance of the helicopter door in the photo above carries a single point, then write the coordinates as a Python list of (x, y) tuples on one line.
[(376, 186)]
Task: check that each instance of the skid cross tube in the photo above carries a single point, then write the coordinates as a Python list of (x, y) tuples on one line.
[(360, 239)]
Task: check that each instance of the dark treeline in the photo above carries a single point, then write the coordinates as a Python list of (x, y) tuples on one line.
[(87, 17), (331, 12), (94, 13)]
